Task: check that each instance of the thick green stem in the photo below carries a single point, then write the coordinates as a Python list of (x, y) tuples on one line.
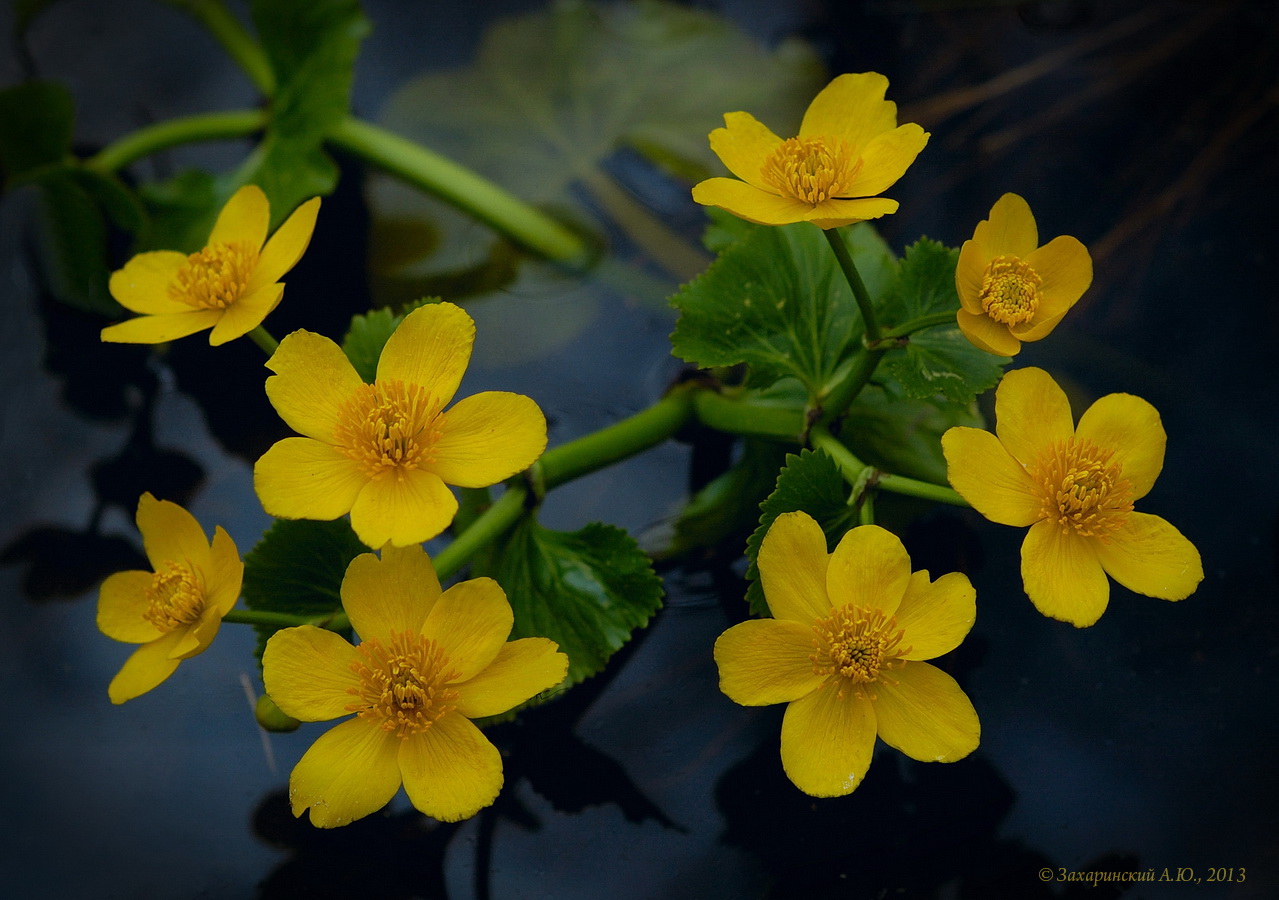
[(487, 527), (895, 334), (835, 238), (846, 461), (863, 477), (736, 415), (237, 42), (334, 621), (186, 130), (843, 394), (263, 339), (910, 487), (463, 188)]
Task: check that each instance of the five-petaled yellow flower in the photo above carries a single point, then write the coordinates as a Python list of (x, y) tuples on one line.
[(845, 652), (1010, 288), (428, 662), (849, 149), (174, 612), (230, 286), (385, 452), (1075, 488)]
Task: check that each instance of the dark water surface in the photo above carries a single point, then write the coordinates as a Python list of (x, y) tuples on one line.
[(1145, 742)]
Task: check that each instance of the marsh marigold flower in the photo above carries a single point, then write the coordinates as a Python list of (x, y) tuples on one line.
[(1010, 288), (385, 452), (175, 611), (230, 286), (427, 663), (845, 651), (849, 149), (1075, 489)]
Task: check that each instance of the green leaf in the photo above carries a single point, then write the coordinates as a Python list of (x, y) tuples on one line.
[(182, 210), (586, 590), (297, 567), (902, 435), (36, 121), (368, 334), (938, 360), (810, 482), (73, 243)]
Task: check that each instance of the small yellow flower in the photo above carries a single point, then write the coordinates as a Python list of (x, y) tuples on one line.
[(174, 612), (428, 662), (1010, 288), (845, 652), (1075, 489), (385, 452), (230, 286), (849, 149)]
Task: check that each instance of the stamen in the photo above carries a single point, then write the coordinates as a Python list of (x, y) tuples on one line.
[(215, 277), (854, 647), (1010, 290), (389, 426), (175, 597), (404, 685), (1081, 487), (812, 169)]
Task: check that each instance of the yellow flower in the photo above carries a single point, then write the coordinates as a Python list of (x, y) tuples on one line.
[(1075, 488), (849, 149), (845, 652), (385, 452), (1010, 288), (428, 662), (174, 612), (230, 286)]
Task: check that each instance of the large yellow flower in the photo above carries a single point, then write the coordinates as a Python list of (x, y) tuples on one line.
[(845, 652), (1074, 488), (230, 286), (849, 149), (385, 452), (428, 662), (174, 612), (1010, 288)]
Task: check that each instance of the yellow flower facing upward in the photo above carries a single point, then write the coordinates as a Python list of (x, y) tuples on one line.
[(1075, 489), (175, 611), (849, 149), (385, 452), (845, 651), (1010, 288), (427, 663), (230, 286)]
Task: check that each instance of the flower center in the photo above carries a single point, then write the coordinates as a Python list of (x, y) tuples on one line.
[(1010, 290), (1082, 487), (175, 597), (215, 277), (812, 169), (855, 646), (404, 685), (389, 425)]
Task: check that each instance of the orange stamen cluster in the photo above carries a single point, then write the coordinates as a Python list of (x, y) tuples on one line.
[(1010, 290), (855, 646), (812, 170), (175, 597), (215, 277), (1082, 487), (390, 425), (404, 684)]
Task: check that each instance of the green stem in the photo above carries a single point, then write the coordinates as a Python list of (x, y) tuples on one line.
[(461, 187), (862, 476), (263, 339), (835, 238), (237, 42), (846, 461), (186, 130), (334, 621), (843, 394), (736, 414), (910, 487), (928, 321), (487, 527)]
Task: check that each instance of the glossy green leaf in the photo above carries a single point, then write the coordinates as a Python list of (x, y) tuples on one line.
[(901, 434)]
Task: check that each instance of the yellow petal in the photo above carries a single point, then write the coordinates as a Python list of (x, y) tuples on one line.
[(743, 145), (1066, 268), (838, 212), (827, 742), (1037, 328), (926, 715), (851, 108), (1031, 412), (394, 593), (750, 203), (225, 575), (522, 669), (1151, 557), (122, 600), (307, 672), (869, 569), (792, 568), (142, 286), (161, 329), (1062, 575), (299, 478), (1010, 230), (430, 348), (1132, 428), (985, 475), (488, 437), (470, 623), (171, 534), (886, 158), (244, 219), (145, 669), (936, 615), (246, 313), (969, 275), (405, 507), (349, 772), (313, 381), (985, 333), (765, 661), (285, 247), (197, 636), (451, 770)]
